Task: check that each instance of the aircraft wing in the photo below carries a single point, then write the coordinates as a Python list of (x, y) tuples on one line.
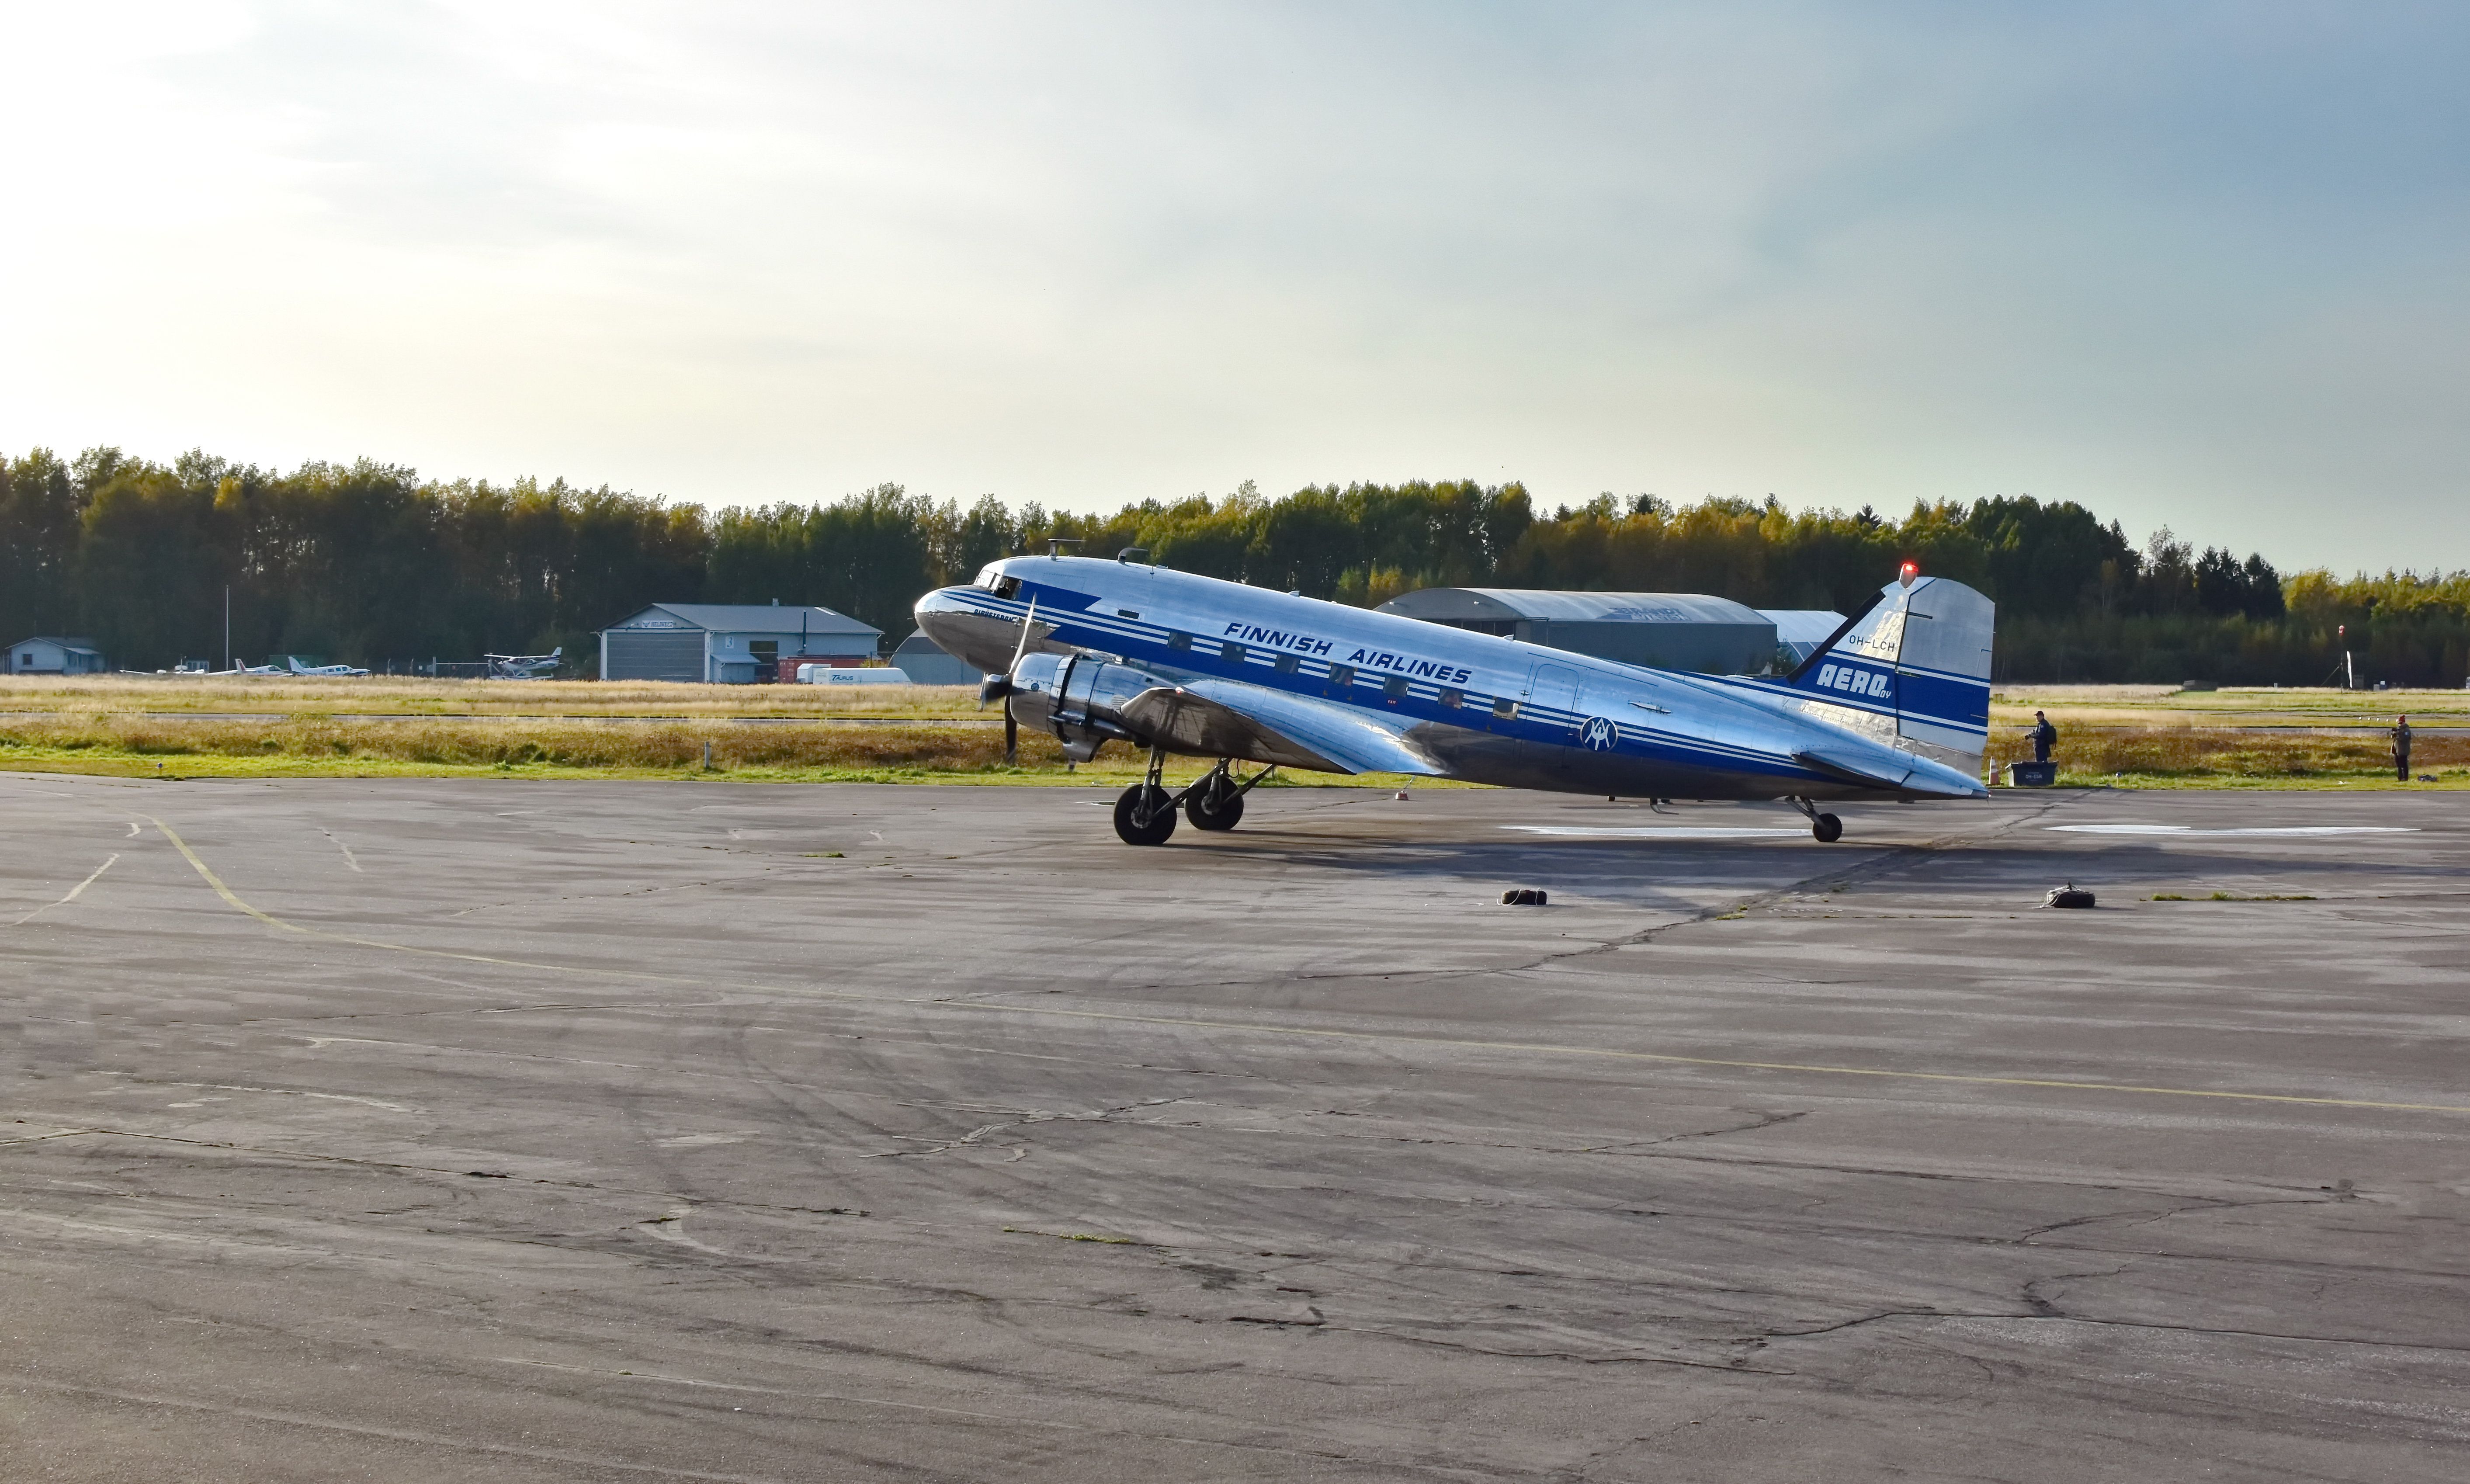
[(1230, 719)]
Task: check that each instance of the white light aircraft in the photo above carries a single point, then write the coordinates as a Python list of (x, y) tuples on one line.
[(1895, 706), (328, 670), (524, 666)]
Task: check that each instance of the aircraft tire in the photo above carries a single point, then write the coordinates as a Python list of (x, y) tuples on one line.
[(1221, 808), (1827, 830), (1156, 830)]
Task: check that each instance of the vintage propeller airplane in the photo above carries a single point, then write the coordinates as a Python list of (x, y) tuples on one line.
[(1895, 706)]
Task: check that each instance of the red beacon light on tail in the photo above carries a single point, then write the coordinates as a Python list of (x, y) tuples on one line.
[(1907, 573)]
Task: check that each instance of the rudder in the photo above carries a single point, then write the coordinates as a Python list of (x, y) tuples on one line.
[(1912, 669)]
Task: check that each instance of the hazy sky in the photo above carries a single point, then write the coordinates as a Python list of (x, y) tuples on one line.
[(2201, 265)]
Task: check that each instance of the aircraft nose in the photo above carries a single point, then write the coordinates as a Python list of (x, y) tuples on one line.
[(955, 620)]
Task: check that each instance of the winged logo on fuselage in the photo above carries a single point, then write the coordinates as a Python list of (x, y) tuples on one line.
[(1598, 734)]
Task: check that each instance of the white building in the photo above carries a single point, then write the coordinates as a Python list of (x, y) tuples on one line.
[(730, 643), (52, 656)]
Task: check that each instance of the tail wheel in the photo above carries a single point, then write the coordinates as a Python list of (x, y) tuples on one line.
[(1826, 827), (1219, 807), (1144, 816)]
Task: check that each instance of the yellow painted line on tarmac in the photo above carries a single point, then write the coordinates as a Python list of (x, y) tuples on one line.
[(216, 882), (1371, 1037), (234, 898), (75, 891)]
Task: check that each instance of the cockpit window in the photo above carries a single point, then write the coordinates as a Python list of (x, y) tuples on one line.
[(990, 577)]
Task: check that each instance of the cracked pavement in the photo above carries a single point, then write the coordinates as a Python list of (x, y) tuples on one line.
[(566, 1131)]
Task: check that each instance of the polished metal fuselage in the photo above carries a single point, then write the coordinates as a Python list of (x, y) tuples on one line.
[(1482, 708)]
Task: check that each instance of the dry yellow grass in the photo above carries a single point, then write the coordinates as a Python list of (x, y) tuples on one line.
[(383, 693), (103, 725), (2167, 705), (2213, 753), (627, 746)]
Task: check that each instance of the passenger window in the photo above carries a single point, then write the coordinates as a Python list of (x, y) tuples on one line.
[(1341, 676), (1394, 688), (1176, 638), (1127, 612), (1453, 699), (1232, 654), (1286, 664), (1505, 708)]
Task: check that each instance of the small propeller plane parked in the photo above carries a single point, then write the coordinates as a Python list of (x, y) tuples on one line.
[(331, 671), (1895, 706), (524, 666)]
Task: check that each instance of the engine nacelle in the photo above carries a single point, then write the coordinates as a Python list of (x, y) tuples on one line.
[(1079, 698)]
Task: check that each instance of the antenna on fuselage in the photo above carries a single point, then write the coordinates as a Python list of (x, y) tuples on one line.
[(1124, 557), (1055, 545)]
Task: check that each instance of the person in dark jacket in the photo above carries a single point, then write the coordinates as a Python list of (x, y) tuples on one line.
[(2401, 747), (2044, 737)]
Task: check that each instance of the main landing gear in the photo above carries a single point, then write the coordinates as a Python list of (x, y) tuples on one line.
[(1145, 814), (1825, 828)]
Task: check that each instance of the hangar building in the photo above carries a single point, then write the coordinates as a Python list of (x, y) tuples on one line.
[(926, 664), (45, 655), (732, 643), (1800, 631), (1669, 631)]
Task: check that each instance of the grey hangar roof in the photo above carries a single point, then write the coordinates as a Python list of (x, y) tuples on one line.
[(754, 618), (1669, 631)]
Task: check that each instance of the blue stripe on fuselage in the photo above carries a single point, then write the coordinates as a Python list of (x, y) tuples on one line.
[(1080, 619)]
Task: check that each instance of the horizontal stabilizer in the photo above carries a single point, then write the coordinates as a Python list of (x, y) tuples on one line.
[(1870, 773), (1901, 771)]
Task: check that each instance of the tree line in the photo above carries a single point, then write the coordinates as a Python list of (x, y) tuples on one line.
[(369, 562)]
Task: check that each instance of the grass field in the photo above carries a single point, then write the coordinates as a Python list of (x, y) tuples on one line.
[(2167, 705), (2159, 737), (123, 694), (2121, 736)]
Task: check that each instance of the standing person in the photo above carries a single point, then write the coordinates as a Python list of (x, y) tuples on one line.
[(2401, 747), (2044, 737)]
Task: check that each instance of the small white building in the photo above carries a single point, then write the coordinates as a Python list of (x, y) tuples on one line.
[(732, 643), (45, 655)]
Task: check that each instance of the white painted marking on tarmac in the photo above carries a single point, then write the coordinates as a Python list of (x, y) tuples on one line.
[(1661, 831), (75, 892), (349, 859), (132, 829), (290, 1091), (669, 1228), (700, 1141), (2280, 830)]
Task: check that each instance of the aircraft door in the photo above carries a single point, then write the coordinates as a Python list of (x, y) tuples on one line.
[(1552, 695)]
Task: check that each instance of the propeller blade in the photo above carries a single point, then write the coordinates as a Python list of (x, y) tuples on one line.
[(1027, 619), (995, 687)]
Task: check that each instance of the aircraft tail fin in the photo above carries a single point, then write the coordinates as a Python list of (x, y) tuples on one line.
[(1918, 655)]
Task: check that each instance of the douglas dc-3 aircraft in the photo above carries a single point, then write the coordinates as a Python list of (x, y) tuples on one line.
[(1896, 706)]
